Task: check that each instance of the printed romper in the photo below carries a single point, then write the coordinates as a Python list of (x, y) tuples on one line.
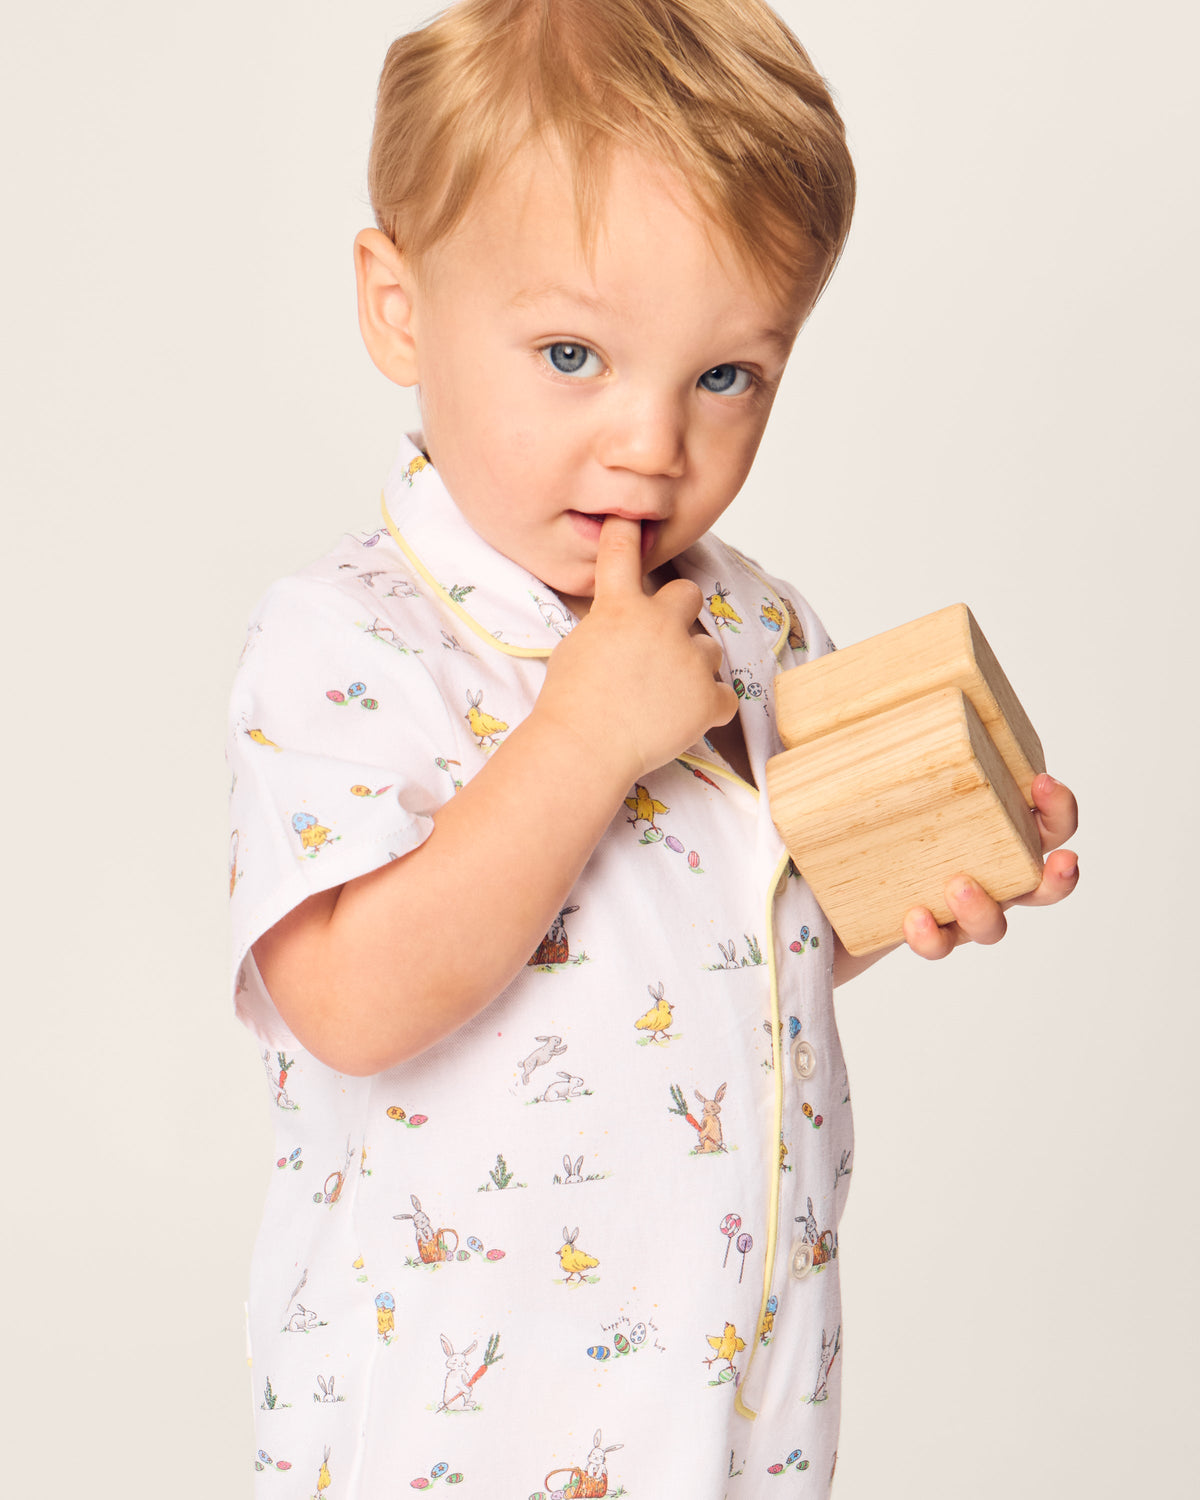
[(587, 1245)]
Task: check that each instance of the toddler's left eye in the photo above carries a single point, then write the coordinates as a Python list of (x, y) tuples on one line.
[(726, 380)]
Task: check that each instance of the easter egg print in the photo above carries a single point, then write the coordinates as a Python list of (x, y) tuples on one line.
[(355, 690)]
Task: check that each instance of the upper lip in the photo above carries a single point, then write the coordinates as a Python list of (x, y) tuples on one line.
[(626, 515)]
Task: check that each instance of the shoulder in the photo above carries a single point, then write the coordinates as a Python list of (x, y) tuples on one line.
[(807, 636), (350, 626), (362, 587)]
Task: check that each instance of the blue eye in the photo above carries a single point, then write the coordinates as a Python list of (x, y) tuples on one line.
[(572, 359), (726, 380)]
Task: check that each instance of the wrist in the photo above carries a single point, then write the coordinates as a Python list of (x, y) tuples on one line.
[(594, 757)]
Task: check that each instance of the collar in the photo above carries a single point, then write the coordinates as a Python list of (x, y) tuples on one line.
[(519, 615)]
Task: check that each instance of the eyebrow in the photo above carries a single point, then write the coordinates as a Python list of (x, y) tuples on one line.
[(548, 290), (551, 289)]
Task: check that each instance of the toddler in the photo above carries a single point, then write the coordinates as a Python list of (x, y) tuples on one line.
[(545, 1009)]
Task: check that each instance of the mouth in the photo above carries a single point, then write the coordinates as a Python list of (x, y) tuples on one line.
[(588, 524)]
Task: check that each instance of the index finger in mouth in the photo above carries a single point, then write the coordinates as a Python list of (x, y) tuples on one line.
[(619, 556)]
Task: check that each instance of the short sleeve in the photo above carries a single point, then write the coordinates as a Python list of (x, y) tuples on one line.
[(337, 745), (807, 637)]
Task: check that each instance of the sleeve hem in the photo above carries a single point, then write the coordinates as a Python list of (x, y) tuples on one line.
[(252, 1004)]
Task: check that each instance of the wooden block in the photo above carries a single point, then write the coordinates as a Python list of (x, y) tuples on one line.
[(944, 649), (881, 814), (910, 760)]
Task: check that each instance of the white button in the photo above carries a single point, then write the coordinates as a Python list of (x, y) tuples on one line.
[(804, 1059), (802, 1259)]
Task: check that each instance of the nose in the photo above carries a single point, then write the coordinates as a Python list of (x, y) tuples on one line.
[(646, 434)]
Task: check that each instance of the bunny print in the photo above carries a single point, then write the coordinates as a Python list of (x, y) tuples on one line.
[(597, 1459), (456, 1392), (711, 1135), (567, 1087), (551, 1046)]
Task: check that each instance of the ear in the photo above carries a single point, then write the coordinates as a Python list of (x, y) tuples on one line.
[(386, 301)]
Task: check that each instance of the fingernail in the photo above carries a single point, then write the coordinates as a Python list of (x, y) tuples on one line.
[(1071, 871)]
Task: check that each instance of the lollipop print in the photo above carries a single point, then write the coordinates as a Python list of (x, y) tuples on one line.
[(744, 1242), (729, 1226)]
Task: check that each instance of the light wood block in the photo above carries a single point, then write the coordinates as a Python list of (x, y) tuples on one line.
[(944, 649), (910, 760)]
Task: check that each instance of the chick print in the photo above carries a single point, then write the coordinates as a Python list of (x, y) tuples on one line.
[(643, 806), (313, 835), (771, 615), (385, 1316), (722, 611), (483, 726), (727, 1345), (575, 1263), (323, 1477), (766, 1324), (414, 468), (657, 1020), (260, 738)]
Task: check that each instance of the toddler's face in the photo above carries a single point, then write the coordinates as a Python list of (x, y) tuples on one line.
[(554, 392)]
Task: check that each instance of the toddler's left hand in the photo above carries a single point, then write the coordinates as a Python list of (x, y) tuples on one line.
[(979, 919)]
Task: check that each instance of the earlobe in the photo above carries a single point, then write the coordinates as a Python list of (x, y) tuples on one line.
[(386, 302)]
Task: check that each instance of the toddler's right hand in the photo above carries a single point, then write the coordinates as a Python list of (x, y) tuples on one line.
[(631, 680)]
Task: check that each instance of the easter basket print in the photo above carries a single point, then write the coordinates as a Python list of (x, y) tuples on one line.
[(580, 1486), (434, 1250)]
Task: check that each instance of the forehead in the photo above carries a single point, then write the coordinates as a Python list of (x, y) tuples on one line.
[(526, 236)]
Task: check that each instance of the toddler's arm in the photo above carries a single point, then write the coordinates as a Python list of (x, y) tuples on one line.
[(977, 918), (375, 971)]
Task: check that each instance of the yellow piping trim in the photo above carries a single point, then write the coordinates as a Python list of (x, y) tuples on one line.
[(773, 1207), (451, 603)]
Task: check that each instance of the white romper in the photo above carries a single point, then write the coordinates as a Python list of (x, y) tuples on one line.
[(587, 1244)]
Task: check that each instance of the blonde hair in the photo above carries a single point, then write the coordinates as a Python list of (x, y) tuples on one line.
[(719, 90)]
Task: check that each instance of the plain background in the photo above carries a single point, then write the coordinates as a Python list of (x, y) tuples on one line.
[(995, 402)]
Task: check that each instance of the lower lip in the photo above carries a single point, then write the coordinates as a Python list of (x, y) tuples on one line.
[(589, 526)]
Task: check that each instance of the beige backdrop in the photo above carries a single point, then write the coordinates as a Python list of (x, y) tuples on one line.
[(989, 404)]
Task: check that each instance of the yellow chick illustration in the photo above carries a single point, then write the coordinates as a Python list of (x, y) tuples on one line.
[(772, 615), (323, 1479), (414, 468), (657, 1020), (483, 726), (385, 1314), (643, 806), (720, 608), (260, 738), (574, 1262), (312, 834), (726, 1344), (783, 1151)]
